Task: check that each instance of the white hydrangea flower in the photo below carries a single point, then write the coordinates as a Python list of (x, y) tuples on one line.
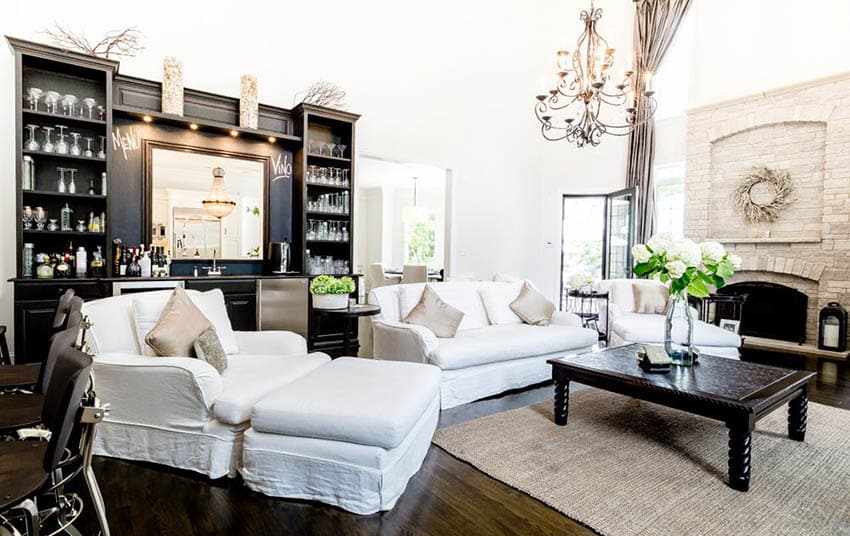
[(735, 260), (686, 251), (712, 252), (580, 280), (660, 243), (676, 269), (641, 253)]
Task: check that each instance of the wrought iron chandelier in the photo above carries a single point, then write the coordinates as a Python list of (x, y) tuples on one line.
[(584, 91)]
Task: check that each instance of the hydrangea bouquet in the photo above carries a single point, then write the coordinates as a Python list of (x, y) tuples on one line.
[(688, 267)]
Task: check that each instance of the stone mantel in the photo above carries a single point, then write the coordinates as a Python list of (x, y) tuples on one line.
[(770, 240)]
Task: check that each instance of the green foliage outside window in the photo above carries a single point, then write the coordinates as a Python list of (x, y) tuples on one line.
[(421, 238)]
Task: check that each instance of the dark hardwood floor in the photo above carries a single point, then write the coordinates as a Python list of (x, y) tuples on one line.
[(445, 497)]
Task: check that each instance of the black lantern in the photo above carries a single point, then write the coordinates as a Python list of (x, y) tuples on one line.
[(832, 328)]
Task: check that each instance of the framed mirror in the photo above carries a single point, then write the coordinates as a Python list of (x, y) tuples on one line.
[(204, 203)]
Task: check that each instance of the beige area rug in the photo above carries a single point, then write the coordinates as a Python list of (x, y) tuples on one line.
[(626, 467)]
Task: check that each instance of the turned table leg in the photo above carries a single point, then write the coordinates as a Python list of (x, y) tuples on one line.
[(797, 416), (739, 458), (562, 401)]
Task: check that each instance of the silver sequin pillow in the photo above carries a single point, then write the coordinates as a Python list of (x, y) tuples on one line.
[(208, 348)]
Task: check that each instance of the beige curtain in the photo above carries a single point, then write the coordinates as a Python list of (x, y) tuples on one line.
[(656, 22)]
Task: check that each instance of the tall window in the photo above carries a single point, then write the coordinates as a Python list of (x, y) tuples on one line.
[(670, 199), (420, 238)]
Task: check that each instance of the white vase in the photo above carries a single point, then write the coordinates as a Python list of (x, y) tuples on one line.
[(330, 301)]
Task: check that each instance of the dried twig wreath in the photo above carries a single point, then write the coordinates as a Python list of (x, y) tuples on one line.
[(781, 187)]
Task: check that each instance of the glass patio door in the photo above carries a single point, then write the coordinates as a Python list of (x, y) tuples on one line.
[(620, 234)]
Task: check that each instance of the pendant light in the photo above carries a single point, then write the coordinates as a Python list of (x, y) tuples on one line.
[(218, 203), (415, 213)]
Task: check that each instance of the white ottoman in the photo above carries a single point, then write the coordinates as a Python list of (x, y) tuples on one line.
[(350, 433)]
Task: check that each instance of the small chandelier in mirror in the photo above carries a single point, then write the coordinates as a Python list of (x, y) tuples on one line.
[(585, 102), (218, 203)]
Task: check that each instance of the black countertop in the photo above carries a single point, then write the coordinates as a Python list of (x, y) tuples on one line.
[(170, 278)]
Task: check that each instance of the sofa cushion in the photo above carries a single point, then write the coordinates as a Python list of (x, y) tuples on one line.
[(363, 401), (497, 299), (435, 314), (249, 378), (507, 342), (179, 325), (463, 296), (208, 349), (635, 327), (651, 299), (532, 306), (621, 291)]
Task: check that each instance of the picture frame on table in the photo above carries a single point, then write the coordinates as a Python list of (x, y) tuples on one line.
[(730, 325)]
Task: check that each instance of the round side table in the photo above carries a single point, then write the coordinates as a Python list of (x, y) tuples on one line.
[(349, 315), (588, 310)]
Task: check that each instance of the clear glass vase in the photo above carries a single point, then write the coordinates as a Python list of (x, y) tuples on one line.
[(679, 330)]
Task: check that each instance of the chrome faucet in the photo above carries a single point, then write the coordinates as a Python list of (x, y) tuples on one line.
[(214, 269)]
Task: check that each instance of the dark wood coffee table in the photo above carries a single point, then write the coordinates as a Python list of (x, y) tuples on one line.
[(735, 392)]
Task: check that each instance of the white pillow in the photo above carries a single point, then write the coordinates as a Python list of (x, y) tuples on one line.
[(436, 315), (147, 309), (532, 306), (497, 298), (462, 296)]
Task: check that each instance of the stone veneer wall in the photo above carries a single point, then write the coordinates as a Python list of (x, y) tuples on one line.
[(805, 130)]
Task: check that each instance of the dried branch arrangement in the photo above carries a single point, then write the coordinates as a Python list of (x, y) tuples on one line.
[(323, 93), (127, 42), (781, 188)]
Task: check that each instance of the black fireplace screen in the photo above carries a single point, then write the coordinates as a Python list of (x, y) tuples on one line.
[(771, 310)]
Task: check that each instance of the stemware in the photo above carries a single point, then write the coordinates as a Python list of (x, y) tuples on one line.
[(340, 150), (32, 144), (68, 103), (39, 216), (26, 217), (330, 147), (76, 150), (345, 181), (60, 185), (81, 226), (53, 225), (61, 145), (90, 103), (101, 153), (33, 96), (51, 99), (101, 112), (47, 146), (72, 186), (88, 152)]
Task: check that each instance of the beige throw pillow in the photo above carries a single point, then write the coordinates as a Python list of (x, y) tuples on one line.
[(651, 299), (532, 306), (435, 314), (179, 326)]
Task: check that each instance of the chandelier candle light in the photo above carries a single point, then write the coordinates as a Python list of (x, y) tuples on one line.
[(218, 203), (584, 92)]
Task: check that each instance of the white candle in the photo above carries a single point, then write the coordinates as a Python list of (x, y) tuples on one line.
[(830, 335)]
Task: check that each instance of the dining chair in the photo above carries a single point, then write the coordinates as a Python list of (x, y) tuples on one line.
[(414, 273), (380, 278)]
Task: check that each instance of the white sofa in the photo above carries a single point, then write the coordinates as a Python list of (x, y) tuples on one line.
[(626, 326), (179, 411), (492, 352)]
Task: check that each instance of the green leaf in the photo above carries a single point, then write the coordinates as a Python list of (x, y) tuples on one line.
[(718, 281), (678, 285), (698, 288), (725, 269), (643, 268), (705, 277)]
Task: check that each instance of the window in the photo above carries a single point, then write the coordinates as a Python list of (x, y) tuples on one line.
[(420, 238), (670, 199), (671, 80)]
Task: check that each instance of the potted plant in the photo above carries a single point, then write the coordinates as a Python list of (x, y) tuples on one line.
[(688, 268), (330, 292)]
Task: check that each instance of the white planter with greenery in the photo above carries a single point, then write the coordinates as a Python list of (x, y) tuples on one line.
[(330, 292)]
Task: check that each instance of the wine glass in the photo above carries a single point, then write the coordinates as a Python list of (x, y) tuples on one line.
[(102, 152), (88, 152), (76, 150), (72, 185), (90, 103), (340, 149), (101, 112), (32, 144), (33, 96), (330, 147), (60, 185), (26, 217), (39, 216), (61, 145), (47, 146), (53, 225), (51, 99), (68, 103)]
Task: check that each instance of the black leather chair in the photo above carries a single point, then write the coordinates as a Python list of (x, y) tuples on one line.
[(33, 473), (5, 357)]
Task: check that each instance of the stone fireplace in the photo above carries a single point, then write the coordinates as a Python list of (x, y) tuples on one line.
[(804, 130)]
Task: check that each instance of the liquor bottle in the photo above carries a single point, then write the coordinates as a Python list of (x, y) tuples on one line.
[(81, 267), (65, 220), (71, 259), (97, 264), (133, 269), (125, 260), (62, 270), (145, 263), (116, 256), (168, 263), (91, 186)]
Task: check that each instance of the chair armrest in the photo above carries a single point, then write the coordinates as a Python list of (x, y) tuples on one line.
[(402, 342), (270, 342), (169, 392), (564, 318)]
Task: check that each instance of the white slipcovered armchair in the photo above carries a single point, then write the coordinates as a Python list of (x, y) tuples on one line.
[(627, 326), (179, 411)]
